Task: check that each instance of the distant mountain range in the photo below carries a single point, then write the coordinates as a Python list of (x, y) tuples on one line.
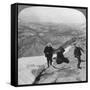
[(33, 37)]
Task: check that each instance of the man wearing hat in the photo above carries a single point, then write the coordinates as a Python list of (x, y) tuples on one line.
[(77, 54), (48, 51)]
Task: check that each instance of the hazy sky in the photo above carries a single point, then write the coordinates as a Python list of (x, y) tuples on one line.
[(53, 15), (21, 7)]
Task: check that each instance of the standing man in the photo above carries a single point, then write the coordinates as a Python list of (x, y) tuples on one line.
[(48, 51), (77, 54)]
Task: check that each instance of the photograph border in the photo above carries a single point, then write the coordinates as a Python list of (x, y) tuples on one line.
[(14, 50)]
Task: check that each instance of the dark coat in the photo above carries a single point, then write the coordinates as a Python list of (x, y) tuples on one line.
[(77, 51), (60, 57), (48, 51)]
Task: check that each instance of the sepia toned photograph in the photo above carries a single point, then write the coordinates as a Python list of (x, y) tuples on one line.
[(52, 44)]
